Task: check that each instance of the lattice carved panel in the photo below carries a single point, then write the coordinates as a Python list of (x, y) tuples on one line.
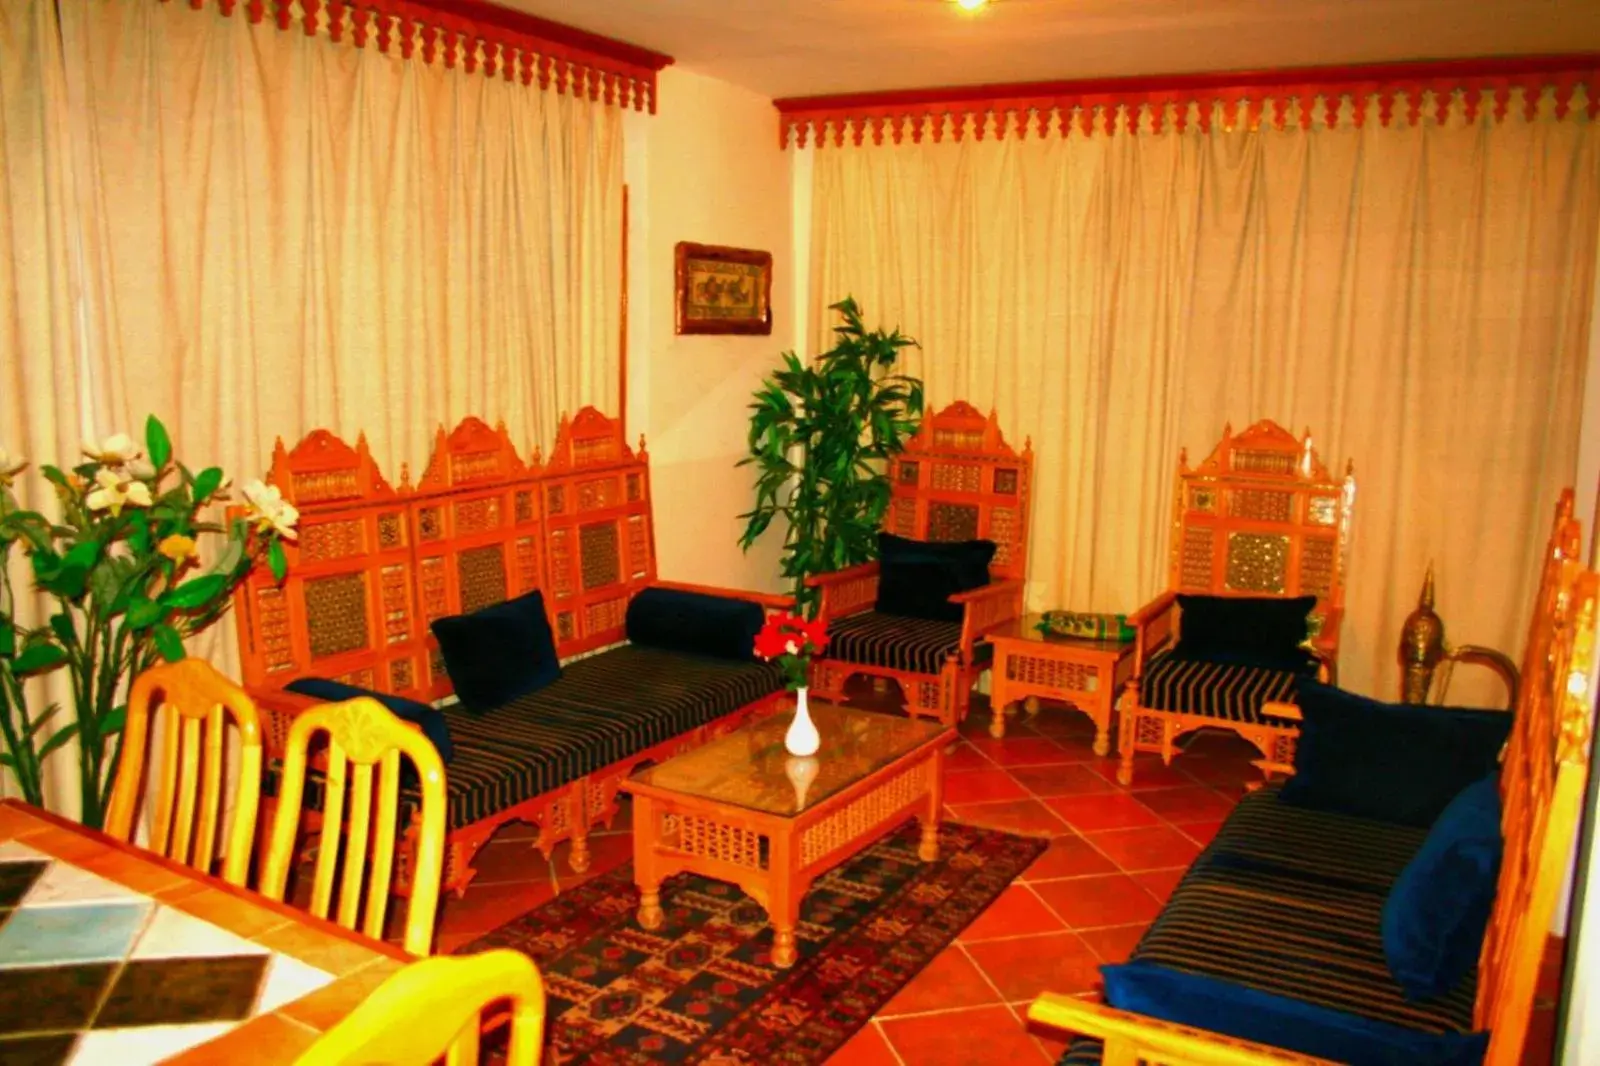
[(597, 493), (326, 541), (635, 488), (1194, 565), (336, 614), (429, 526), (1203, 499), (909, 472), (566, 626), (1265, 505), (527, 552), (710, 839), (430, 579), (958, 439), (952, 522), (600, 555), (605, 615), (482, 572), (856, 819), (1253, 461), (1003, 531), (957, 477), (638, 547), (1323, 510), (523, 506), (1053, 673), (560, 563), (436, 667), (1258, 562), (391, 530), (903, 518), (318, 486), (1005, 481), (556, 500), (478, 516), (400, 677), (394, 590), (272, 610), (1316, 566)]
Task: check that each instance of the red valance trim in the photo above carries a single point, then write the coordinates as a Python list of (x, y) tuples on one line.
[(1252, 97), (478, 37)]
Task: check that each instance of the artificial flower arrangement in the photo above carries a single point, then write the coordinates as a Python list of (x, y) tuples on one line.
[(123, 566), (791, 641)]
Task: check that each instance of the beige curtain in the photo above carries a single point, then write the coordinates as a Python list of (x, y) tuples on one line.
[(1416, 296), (253, 233)]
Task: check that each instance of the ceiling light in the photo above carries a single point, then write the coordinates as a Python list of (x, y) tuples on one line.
[(970, 5)]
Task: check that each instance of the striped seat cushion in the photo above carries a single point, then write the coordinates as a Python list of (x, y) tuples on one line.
[(1218, 690), (896, 642), (1288, 901), (603, 709)]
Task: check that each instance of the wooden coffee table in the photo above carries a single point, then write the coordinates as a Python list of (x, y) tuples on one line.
[(1028, 665), (741, 809)]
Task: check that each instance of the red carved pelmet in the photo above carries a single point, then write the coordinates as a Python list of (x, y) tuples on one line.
[(1389, 94)]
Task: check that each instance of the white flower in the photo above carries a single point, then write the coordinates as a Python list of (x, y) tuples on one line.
[(269, 509), (9, 468), (113, 491), (792, 647), (113, 451), (141, 469)]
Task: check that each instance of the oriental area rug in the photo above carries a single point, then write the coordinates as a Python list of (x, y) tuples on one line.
[(702, 989)]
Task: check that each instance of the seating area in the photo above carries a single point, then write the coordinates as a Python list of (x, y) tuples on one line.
[(503, 559)]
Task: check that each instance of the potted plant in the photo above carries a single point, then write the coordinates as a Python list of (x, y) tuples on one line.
[(123, 565), (821, 435)]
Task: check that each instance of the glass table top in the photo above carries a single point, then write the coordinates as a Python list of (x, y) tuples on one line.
[(1027, 628), (750, 768)]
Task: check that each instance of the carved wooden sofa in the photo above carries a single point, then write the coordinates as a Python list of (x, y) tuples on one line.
[(375, 565), (1260, 520), (1290, 903), (957, 480)]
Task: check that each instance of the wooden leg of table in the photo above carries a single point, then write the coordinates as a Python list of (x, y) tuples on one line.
[(928, 846), (997, 721), (1125, 746), (783, 902), (1102, 728), (646, 824)]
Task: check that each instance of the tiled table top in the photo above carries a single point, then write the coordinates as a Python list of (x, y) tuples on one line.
[(110, 954)]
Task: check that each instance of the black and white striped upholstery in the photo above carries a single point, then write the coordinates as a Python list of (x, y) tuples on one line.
[(896, 642), (1219, 690), (1288, 901)]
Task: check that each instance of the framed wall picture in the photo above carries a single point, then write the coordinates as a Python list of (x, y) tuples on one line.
[(723, 290)]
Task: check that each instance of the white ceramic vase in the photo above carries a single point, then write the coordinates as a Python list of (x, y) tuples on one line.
[(802, 738)]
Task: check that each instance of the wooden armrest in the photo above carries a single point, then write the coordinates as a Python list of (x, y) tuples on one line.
[(771, 600), (1154, 609), (835, 577), (1136, 1037), (1282, 710), (1008, 587)]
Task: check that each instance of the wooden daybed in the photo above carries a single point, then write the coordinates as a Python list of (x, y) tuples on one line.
[(375, 564), (1284, 900)]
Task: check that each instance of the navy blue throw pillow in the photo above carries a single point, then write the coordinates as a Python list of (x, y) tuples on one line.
[(1265, 631), (723, 627), (1268, 1018), (1393, 762), (1438, 910), (916, 578), (499, 653)]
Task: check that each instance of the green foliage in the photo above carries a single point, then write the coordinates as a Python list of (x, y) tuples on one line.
[(821, 434), (123, 568)]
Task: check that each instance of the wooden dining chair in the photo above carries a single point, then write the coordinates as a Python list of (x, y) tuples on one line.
[(362, 736), (189, 805), (431, 1009)]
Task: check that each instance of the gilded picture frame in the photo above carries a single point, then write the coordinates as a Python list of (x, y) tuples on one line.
[(723, 290)]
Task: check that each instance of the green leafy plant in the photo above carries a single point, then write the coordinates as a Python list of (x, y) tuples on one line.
[(821, 434), (123, 567)]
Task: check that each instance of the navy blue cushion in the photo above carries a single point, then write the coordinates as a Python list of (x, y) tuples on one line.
[(1394, 762), (673, 620), (1250, 1014), (1265, 631), (431, 720), (499, 653), (1438, 910), (916, 578)]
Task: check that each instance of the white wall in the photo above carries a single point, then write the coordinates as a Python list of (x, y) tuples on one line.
[(705, 168)]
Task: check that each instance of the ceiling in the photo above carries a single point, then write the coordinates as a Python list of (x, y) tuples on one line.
[(808, 47)]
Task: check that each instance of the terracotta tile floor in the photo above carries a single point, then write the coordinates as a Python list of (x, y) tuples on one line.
[(1114, 855)]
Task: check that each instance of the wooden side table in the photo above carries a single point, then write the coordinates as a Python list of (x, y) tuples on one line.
[(1029, 665)]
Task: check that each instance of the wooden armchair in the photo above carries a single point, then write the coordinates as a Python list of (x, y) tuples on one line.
[(1261, 517), (957, 480)]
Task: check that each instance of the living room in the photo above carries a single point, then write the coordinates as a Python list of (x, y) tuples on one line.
[(453, 307)]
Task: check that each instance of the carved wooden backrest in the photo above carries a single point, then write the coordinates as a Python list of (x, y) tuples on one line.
[(1262, 517), (475, 523), (601, 545), (958, 479), (347, 609), (1542, 783)]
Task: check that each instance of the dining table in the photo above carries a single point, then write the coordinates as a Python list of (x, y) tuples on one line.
[(110, 953)]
